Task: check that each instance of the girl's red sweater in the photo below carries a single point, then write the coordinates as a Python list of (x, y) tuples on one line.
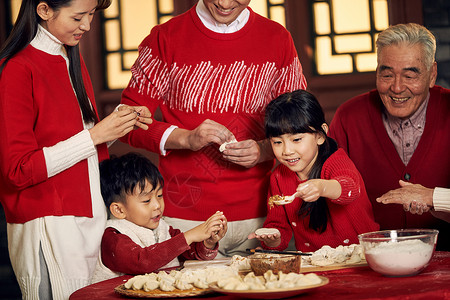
[(350, 214)]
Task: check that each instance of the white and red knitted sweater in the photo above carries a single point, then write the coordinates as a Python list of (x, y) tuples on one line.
[(193, 74)]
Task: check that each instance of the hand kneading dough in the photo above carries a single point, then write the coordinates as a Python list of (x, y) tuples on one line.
[(222, 147), (266, 231)]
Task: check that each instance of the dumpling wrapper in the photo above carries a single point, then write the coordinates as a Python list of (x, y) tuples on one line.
[(266, 231), (222, 147)]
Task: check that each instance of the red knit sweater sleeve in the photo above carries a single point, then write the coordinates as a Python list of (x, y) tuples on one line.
[(148, 85), (339, 167), (21, 159), (120, 254)]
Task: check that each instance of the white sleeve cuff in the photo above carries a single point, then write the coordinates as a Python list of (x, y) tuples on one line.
[(441, 199), (164, 138), (67, 153)]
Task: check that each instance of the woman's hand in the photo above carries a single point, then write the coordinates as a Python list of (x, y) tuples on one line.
[(119, 123), (144, 116)]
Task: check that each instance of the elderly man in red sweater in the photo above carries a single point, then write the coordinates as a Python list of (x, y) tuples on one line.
[(398, 135)]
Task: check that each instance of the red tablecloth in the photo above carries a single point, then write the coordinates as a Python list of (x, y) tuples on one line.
[(354, 283)]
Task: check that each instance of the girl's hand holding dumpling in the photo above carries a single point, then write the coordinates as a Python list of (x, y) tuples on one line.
[(313, 189), (270, 239)]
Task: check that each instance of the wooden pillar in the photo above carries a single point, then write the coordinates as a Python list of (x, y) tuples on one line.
[(405, 11)]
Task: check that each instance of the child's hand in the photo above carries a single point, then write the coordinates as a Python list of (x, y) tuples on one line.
[(310, 190), (216, 224), (217, 235), (313, 189), (271, 240)]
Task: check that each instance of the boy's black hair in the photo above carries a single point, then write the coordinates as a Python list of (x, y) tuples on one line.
[(300, 112), (119, 176)]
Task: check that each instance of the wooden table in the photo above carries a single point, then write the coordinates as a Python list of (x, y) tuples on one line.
[(353, 283)]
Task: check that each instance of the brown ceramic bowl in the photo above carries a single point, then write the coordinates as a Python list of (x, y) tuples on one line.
[(261, 263)]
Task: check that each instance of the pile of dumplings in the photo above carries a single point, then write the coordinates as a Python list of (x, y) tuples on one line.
[(225, 278), (182, 280), (327, 255), (269, 281)]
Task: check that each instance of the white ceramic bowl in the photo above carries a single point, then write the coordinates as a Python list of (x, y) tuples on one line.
[(403, 252)]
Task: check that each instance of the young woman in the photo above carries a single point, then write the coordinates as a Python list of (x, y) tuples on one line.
[(52, 142), (331, 205)]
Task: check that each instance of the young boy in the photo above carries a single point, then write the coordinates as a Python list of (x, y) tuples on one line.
[(136, 239)]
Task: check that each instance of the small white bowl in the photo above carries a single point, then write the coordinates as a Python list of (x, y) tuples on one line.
[(397, 253)]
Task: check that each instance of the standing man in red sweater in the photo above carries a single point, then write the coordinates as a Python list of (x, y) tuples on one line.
[(399, 134), (212, 71)]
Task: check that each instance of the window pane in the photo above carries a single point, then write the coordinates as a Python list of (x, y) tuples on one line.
[(116, 77), (273, 9), (136, 21), (166, 7), (346, 29), (351, 15), (277, 14), (322, 18), (353, 43), (112, 28), (328, 63), (380, 8), (366, 62), (15, 7)]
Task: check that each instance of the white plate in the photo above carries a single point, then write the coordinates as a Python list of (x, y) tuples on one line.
[(271, 294)]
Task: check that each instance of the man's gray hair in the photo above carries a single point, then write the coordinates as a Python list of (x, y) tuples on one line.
[(410, 34)]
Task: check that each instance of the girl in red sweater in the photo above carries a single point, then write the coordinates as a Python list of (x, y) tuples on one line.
[(331, 206)]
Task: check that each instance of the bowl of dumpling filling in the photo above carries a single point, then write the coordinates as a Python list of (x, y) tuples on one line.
[(398, 253), (260, 263)]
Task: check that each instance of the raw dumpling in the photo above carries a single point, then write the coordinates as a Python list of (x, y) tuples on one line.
[(222, 147), (129, 283), (229, 283), (139, 283), (166, 286), (272, 285), (242, 286), (308, 279), (269, 276), (201, 283), (150, 284), (182, 285)]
